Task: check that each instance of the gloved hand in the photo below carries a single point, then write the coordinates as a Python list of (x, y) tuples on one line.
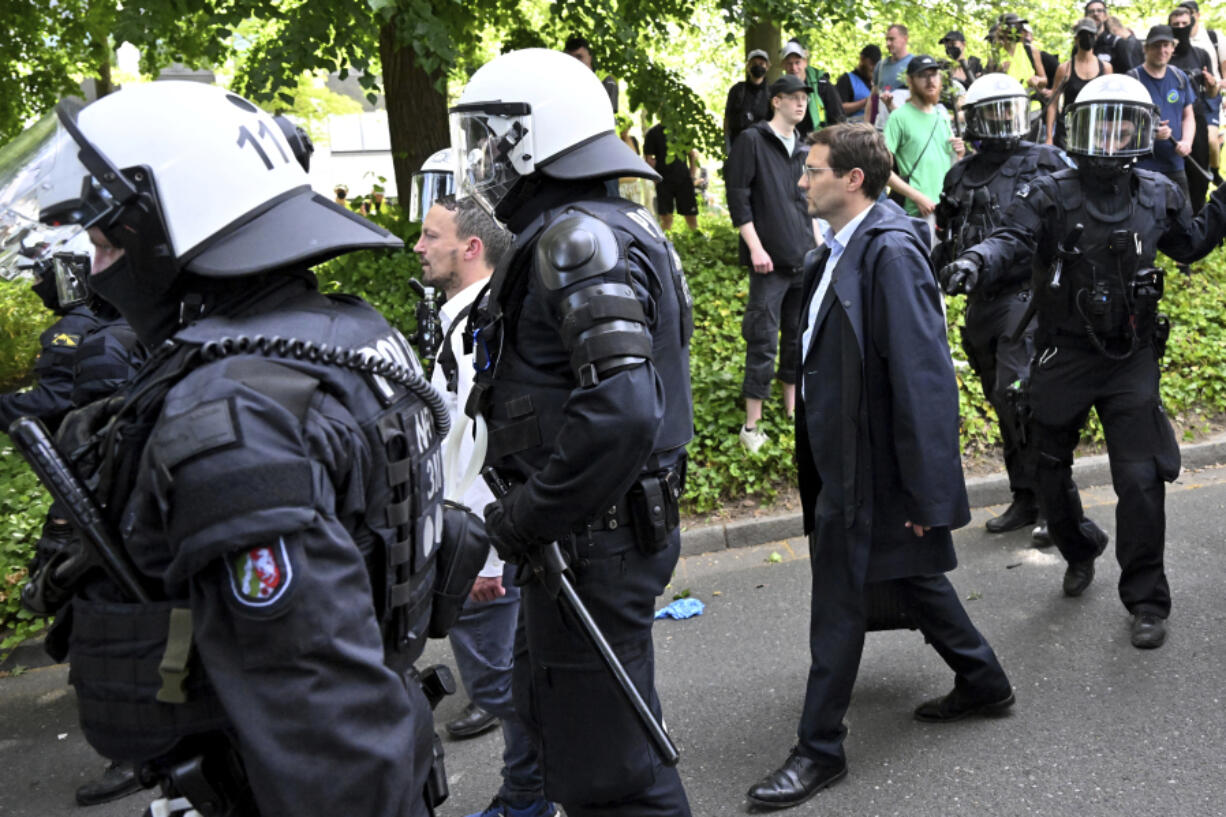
[(58, 536), (512, 546), (960, 275)]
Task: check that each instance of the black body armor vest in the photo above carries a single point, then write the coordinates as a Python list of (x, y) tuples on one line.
[(1105, 296), (523, 403), (140, 686)]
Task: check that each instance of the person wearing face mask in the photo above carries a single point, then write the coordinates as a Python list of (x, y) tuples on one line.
[(1214, 44), (1198, 65), (1072, 76), (1091, 235), (748, 100), (965, 68)]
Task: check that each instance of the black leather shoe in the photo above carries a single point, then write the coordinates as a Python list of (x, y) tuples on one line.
[(1040, 537), (472, 722), (1022, 512), (798, 779), (119, 780), (957, 705), (1148, 631), (1077, 577)]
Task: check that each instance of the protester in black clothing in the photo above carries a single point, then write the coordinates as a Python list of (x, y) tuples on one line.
[(748, 100), (1198, 65), (856, 86), (675, 190), (1072, 76), (776, 232), (964, 68)]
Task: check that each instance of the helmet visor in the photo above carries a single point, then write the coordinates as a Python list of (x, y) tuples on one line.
[(1110, 129), (1007, 118), (486, 148), (34, 168), (428, 187)]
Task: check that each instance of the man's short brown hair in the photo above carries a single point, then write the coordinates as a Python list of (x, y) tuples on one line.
[(857, 144)]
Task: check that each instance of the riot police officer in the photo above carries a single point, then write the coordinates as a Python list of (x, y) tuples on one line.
[(272, 473), (86, 354), (583, 379), (977, 191), (1093, 234)]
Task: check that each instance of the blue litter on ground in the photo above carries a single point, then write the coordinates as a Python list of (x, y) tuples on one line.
[(681, 608)]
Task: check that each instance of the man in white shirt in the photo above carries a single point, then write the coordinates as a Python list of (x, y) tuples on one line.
[(459, 247)]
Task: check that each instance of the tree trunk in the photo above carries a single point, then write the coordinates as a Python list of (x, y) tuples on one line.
[(416, 109), (765, 35)]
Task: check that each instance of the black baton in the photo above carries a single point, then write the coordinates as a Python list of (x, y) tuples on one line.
[(549, 560), (57, 476)]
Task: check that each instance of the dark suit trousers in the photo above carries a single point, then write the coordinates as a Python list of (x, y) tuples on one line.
[(836, 638)]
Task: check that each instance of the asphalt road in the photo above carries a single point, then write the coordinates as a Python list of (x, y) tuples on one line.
[(1100, 728)]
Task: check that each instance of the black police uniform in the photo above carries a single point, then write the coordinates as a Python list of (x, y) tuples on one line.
[(1096, 348), (588, 407), (51, 396), (977, 191), (284, 511)]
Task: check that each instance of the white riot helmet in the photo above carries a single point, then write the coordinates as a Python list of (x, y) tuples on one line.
[(1113, 118), (189, 176), (435, 180), (530, 112), (997, 109)]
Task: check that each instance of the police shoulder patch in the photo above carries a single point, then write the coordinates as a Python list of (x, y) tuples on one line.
[(260, 576), (66, 339), (1023, 190)]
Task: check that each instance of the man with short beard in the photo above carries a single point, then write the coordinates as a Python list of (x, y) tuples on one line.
[(919, 137)]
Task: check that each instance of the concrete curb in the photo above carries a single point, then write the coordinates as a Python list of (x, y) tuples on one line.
[(992, 489)]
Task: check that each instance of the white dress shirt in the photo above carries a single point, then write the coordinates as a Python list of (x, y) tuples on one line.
[(837, 243)]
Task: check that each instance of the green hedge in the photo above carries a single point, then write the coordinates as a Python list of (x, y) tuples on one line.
[(720, 469)]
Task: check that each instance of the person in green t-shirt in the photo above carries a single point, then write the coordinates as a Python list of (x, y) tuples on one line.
[(919, 136)]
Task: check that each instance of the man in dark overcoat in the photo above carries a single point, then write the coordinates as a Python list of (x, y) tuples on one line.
[(877, 452)]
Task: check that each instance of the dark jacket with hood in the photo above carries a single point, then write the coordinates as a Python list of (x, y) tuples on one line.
[(762, 187)]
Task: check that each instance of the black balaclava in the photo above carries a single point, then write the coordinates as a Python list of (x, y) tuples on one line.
[(151, 308), (45, 289), (533, 195), (1183, 39)]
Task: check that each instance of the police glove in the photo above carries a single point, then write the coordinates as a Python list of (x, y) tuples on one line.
[(512, 546), (960, 275)]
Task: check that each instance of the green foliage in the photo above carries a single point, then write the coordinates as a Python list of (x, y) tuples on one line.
[(23, 506), (22, 318)]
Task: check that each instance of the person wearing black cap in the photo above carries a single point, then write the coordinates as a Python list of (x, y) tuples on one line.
[(776, 232), (919, 136), (264, 471), (966, 69), (1198, 65), (1174, 96), (1213, 44), (1072, 76), (748, 100)]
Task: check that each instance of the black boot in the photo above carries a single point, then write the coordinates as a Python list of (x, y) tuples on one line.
[(119, 780), (1024, 511)]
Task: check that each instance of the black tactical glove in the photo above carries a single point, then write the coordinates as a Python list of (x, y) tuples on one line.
[(960, 275), (511, 545)]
